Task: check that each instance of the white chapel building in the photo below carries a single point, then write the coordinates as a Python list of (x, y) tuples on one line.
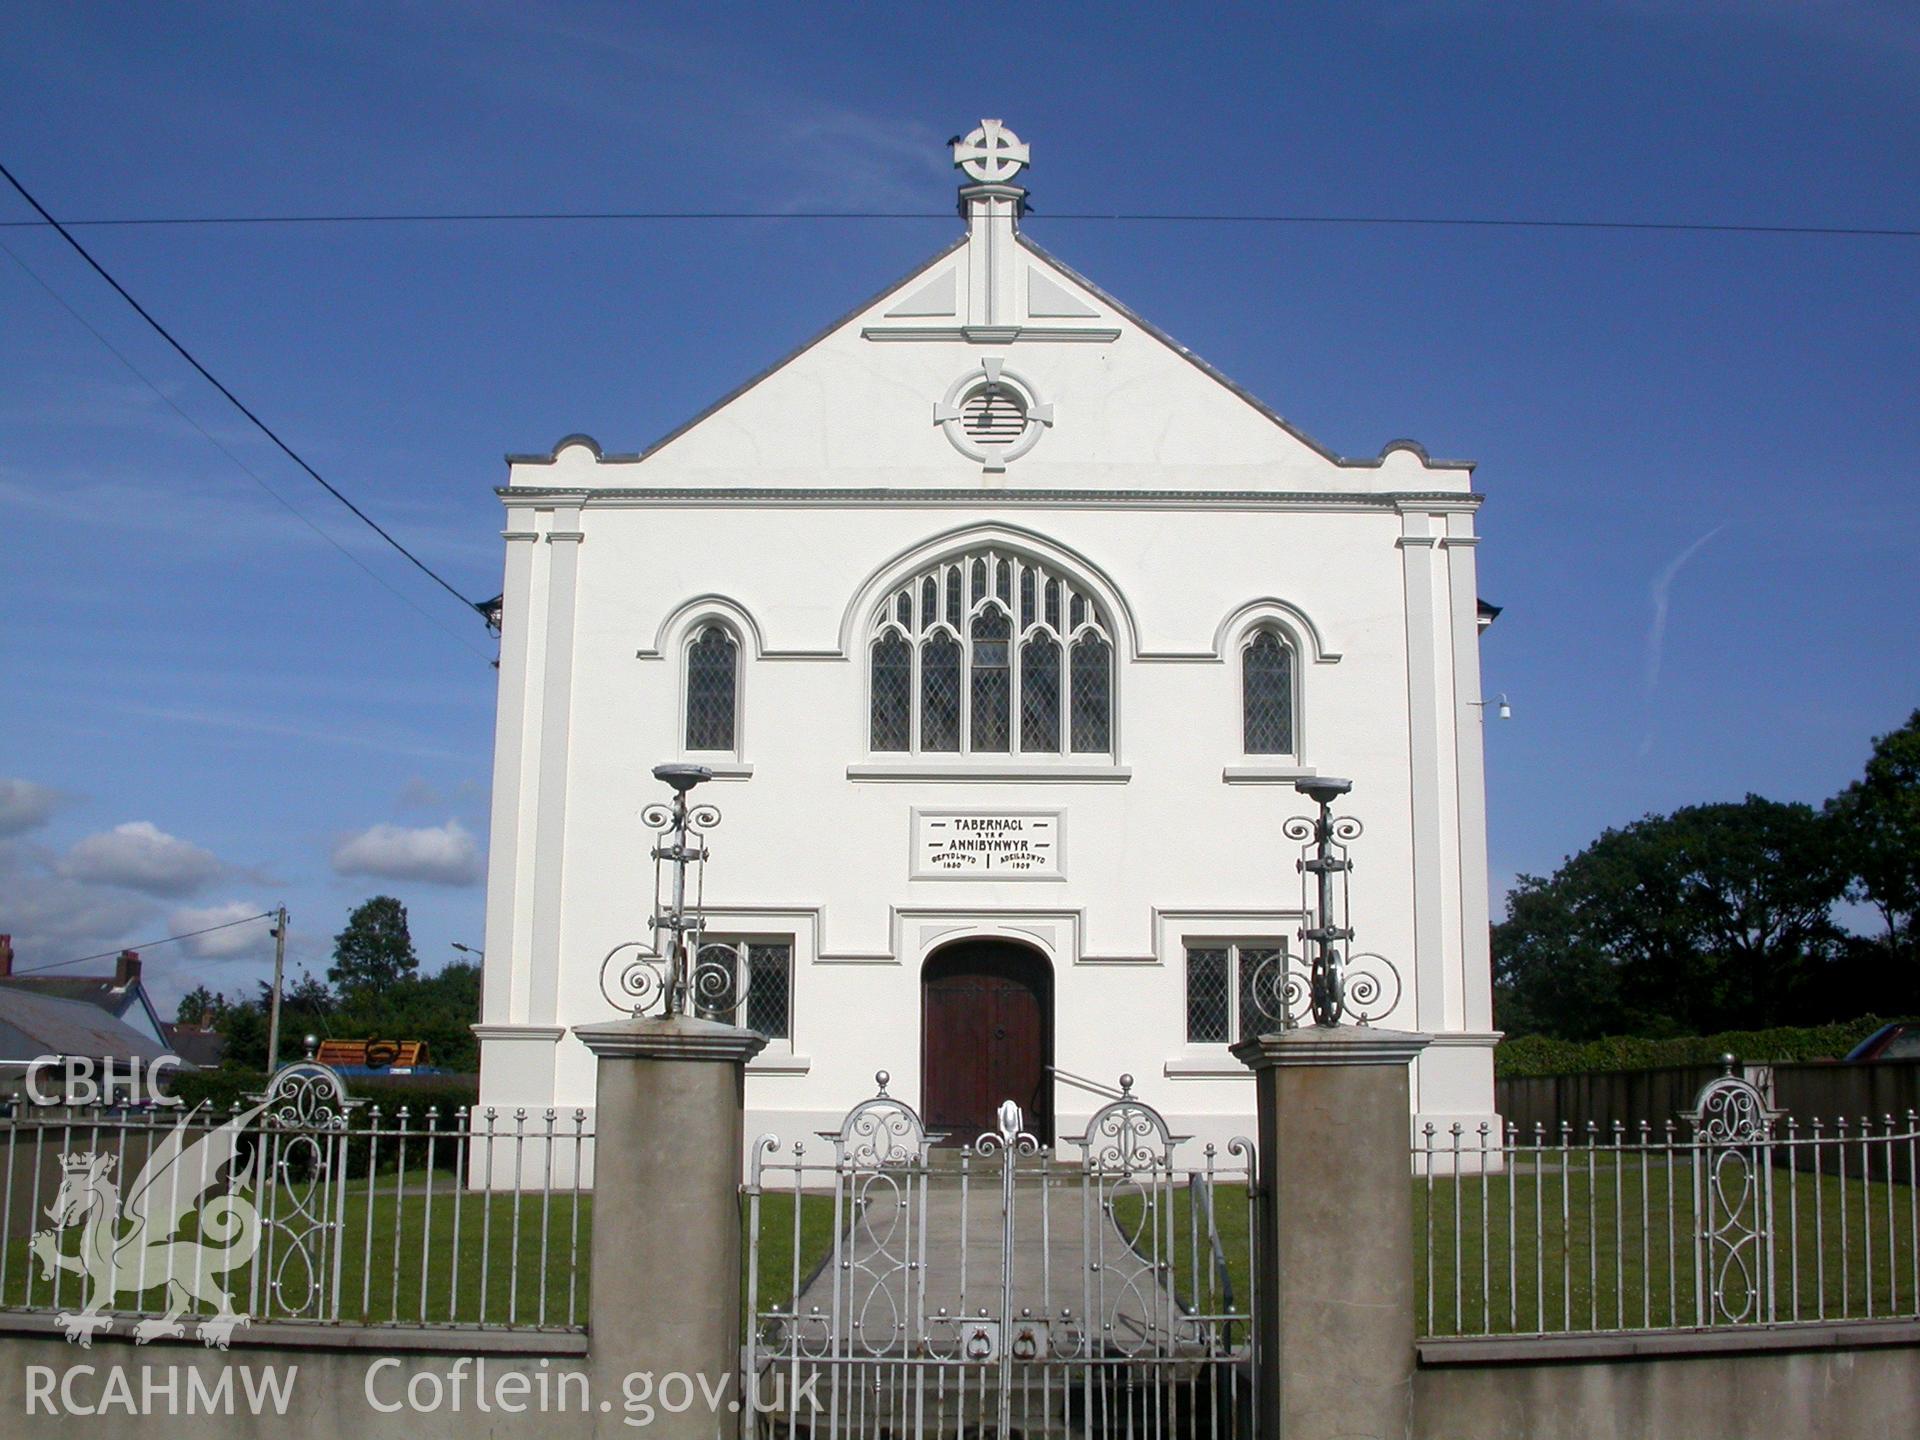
[(1006, 625)]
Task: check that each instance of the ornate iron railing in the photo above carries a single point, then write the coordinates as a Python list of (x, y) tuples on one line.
[(897, 1286), (299, 1205), (1730, 1215)]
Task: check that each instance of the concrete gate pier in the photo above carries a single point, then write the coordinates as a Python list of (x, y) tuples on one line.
[(1334, 1232)]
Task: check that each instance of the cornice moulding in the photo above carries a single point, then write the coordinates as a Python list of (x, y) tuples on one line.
[(971, 498)]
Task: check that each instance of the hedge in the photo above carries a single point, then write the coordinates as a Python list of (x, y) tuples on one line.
[(1530, 1055)]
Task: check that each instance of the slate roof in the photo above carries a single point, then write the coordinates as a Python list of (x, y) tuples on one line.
[(202, 1049), (34, 1024), (100, 991)]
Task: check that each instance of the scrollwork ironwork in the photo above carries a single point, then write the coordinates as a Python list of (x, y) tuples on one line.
[(676, 973), (1328, 984), (1126, 1135), (1730, 1110), (1733, 1198), (881, 1131)]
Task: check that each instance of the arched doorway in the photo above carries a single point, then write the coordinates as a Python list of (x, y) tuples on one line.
[(986, 1035)]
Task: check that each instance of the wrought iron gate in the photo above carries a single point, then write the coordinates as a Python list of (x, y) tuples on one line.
[(301, 1192), (898, 1289)]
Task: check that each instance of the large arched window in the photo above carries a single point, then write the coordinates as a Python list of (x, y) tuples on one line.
[(1266, 666), (713, 689), (990, 653)]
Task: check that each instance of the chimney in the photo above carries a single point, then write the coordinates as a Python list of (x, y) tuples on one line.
[(6, 956), (126, 970)]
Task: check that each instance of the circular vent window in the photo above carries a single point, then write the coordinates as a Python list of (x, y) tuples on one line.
[(993, 415)]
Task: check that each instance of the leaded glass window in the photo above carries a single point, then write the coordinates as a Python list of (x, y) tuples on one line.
[(1248, 959), (971, 656), (940, 693), (767, 969), (1220, 991), (712, 689), (1209, 995), (1267, 684), (892, 692), (1040, 695), (992, 680), (1092, 695), (769, 1007)]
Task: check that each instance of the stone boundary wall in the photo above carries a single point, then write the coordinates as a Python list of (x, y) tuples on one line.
[(331, 1370), (1822, 1382)]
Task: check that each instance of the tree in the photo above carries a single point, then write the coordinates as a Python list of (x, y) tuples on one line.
[(1713, 917), (375, 950), (244, 1027), (1877, 825), (197, 1006)]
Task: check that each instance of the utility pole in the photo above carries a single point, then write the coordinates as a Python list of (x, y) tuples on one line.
[(279, 971)]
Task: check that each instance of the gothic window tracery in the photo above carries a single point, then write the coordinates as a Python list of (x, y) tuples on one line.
[(971, 656)]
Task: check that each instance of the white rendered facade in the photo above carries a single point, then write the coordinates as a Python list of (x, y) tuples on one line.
[(794, 515)]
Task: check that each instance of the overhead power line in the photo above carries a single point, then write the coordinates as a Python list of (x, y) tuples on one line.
[(471, 217), (147, 944), (246, 469), (232, 399)]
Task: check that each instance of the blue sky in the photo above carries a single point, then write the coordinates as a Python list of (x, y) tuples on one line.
[(1698, 450)]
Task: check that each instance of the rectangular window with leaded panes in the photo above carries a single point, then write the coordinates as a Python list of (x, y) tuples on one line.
[(1221, 980)]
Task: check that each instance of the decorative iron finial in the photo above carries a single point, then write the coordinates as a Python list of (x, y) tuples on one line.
[(1338, 985), (677, 974), (991, 154)]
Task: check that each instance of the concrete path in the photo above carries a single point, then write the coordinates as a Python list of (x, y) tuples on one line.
[(965, 1243)]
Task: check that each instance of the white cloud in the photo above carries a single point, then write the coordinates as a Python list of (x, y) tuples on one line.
[(438, 854), (233, 942), (25, 806), (53, 918), (141, 856)]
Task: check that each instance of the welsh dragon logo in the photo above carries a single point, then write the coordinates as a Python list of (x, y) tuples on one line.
[(129, 1246)]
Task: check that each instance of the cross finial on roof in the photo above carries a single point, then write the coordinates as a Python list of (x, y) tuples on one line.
[(992, 154)]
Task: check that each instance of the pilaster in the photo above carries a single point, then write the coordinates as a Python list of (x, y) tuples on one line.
[(1419, 547), (563, 540), (1469, 740), (505, 863)]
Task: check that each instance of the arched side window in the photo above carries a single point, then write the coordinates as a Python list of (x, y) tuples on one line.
[(713, 689), (1267, 695), (990, 653)]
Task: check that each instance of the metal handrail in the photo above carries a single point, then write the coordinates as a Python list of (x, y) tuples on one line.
[(1085, 1084), (1202, 1196)]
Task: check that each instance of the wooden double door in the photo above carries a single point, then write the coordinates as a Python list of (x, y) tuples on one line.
[(986, 1036)]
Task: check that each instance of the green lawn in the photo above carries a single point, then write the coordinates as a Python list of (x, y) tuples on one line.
[(394, 1259), (1597, 1264), (401, 1270), (1611, 1247)]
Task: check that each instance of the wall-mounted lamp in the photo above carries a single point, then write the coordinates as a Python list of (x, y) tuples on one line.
[(1505, 711)]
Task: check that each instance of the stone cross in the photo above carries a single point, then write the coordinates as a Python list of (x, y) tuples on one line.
[(992, 154)]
